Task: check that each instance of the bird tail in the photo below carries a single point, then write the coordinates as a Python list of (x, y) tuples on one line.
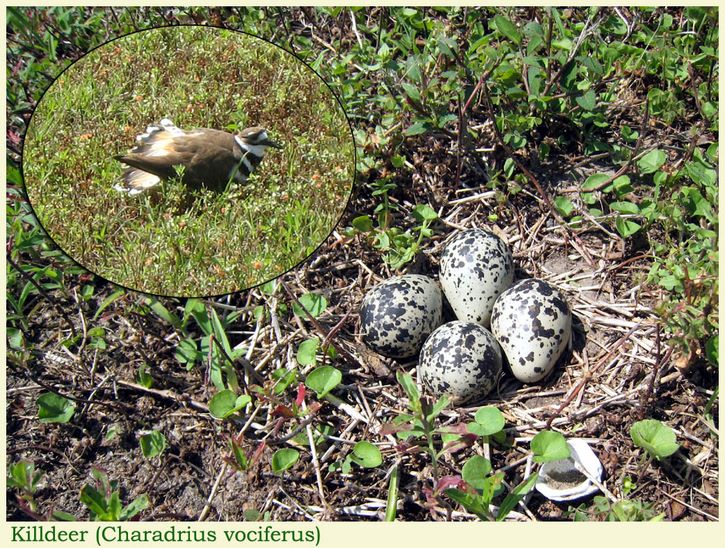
[(153, 142), (134, 181)]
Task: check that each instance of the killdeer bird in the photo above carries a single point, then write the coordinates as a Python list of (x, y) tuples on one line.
[(208, 158)]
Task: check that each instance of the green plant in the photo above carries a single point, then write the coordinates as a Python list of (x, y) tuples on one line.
[(398, 247), (103, 500), (55, 408), (656, 438), (23, 477), (549, 446), (420, 422), (488, 423), (480, 487), (284, 459), (622, 510), (323, 379), (310, 303), (226, 403), (143, 377), (153, 444), (237, 457), (391, 505), (477, 487), (213, 346), (364, 454)]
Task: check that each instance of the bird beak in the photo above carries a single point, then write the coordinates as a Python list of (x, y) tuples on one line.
[(271, 143)]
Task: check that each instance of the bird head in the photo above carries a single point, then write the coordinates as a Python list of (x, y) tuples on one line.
[(257, 137)]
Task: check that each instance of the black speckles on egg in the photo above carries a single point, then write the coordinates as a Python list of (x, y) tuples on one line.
[(532, 322), (397, 315), (476, 267), (461, 360)]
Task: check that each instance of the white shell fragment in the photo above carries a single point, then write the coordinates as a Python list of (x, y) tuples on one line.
[(561, 481), (532, 322), (461, 360), (476, 267), (397, 315)]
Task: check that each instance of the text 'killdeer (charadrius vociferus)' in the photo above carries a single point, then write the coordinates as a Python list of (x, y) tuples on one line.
[(208, 158)]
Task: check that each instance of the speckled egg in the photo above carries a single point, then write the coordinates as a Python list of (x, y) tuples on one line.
[(476, 267), (397, 315), (461, 360), (532, 322)]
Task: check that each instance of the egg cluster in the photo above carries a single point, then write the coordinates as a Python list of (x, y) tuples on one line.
[(528, 322)]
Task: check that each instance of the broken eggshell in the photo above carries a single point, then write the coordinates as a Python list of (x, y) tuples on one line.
[(560, 480)]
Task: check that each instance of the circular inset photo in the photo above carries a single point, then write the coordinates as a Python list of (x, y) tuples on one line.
[(189, 161)]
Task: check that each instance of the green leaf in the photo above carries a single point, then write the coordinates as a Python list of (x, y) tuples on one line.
[(408, 384), (515, 496), (307, 351), (225, 403), (398, 161), (22, 475), (139, 504), (220, 333), (652, 161), (625, 207), (476, 470), (701, 174), (622, 185), (507, 28), (314, 303), (162, 312), (15, 338), (417, 128), (489, 420), (323, 379), (153, 444), (285, 377), (240, 458), (108, 301), (509, 166), (411, 91), (284, 459), (535, 78), (625, 227), (697, 205), (629, 134), (143, 377), (471, 502), (94, 501), (269, 288), (549, 446), (655, 437), (363, 223), (438, 406), (588, 101), (564, 206), (594, 181), (366, 455), (424, 212), (711, 349), (54, 408)]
